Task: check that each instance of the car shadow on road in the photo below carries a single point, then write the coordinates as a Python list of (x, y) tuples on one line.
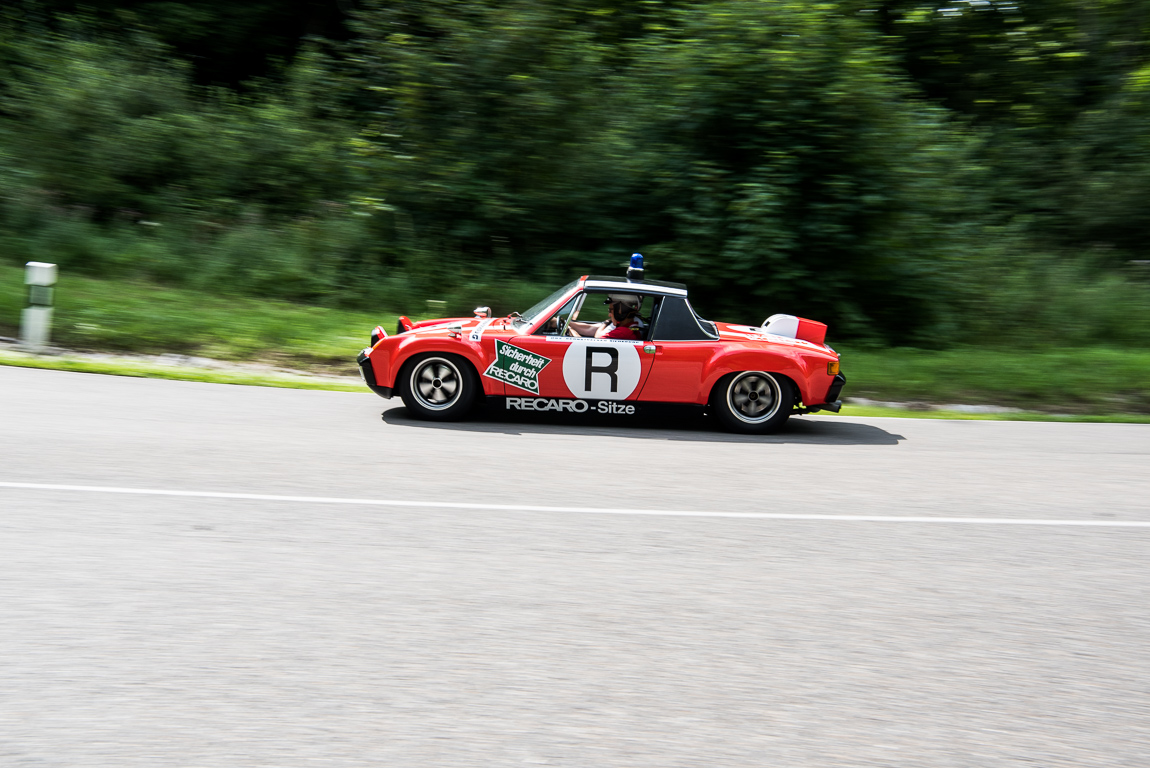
[(822, 431)]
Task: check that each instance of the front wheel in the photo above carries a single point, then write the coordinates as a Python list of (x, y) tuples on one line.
[(753, 402), (438, 387)]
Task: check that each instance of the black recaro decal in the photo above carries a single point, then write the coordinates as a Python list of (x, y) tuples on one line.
[(611, 369)]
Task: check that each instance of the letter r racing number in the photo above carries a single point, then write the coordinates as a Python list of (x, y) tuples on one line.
[(599, 370), (611, 368)]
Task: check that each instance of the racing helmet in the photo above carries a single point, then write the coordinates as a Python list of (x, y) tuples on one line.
[(626, 305), (629, 299)]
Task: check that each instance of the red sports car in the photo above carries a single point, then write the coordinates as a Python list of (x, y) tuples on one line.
[(613, 346)]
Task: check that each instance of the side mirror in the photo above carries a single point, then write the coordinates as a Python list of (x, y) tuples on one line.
[(482, 311)]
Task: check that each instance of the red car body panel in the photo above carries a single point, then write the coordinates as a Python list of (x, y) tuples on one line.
[(633, 371)]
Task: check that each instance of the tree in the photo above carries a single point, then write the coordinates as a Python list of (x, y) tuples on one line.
[(769, 154)]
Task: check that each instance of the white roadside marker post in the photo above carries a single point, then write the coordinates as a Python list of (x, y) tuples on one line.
[(36, 320)]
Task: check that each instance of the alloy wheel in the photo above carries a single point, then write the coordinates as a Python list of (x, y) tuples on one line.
[(754, 397), (436, 383)]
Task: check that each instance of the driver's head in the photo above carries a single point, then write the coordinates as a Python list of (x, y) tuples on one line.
[(622, 312), (623, 306)]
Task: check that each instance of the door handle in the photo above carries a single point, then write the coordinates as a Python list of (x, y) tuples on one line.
[(650, 349)]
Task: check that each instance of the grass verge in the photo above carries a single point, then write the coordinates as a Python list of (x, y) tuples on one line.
[(1084, 383), (1073, 380), (120, 367), (128, 316), (905, 413)]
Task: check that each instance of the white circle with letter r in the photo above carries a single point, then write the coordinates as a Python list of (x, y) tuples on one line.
[(601, 370)]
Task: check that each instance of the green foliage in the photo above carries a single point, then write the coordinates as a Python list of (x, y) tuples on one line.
[(116, 165), (1067, 380), (910, 172), (1045, 300), (1105, 182), (118, 133), (140, 317), (147, 369), (781, 154), (484, 116), (225, 42), (1054, 87), (767, 154), (131, 316)]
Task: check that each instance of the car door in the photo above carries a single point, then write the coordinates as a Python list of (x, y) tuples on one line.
[(566, 366), (681, 344)]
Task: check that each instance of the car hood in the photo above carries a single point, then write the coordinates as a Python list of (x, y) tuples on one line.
[(446, 325)]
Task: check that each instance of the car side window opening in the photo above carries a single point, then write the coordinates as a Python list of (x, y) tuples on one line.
[(586, 311), (594, 316), (557, 324), (594, 309), (531, 315)]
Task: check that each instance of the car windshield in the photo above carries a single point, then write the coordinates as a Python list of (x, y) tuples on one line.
[(530, 316)]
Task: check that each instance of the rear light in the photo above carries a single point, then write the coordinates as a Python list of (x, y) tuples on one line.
[(833, 368)]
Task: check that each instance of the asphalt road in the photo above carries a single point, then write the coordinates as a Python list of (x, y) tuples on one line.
[(168, 630)]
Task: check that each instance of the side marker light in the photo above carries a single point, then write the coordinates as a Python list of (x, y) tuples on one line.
[(833, 368)]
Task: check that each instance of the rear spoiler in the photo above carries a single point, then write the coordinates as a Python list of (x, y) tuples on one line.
[(796, 328)]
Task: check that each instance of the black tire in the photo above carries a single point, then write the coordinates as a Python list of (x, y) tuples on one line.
[(438, 387), (753, 402)]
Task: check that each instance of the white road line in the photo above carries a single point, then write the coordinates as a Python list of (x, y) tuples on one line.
[(580, 510)]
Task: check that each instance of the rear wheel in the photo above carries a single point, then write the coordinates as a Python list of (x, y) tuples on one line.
[(438, 387), (753, 402)]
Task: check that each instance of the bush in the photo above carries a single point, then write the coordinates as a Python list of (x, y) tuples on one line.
[(1057, 301), (115, 165), (776, 157)]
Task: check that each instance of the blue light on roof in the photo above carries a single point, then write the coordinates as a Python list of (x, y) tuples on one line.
[(636, 261)]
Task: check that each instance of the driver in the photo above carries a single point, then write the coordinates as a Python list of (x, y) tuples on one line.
[(623, 321)]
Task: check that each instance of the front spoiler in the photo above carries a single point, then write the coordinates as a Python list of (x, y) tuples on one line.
[(369, 376), (834, 407)]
